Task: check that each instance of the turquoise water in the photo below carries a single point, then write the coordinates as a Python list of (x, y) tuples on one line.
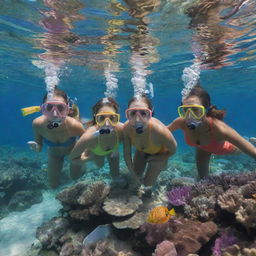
[(82, 39)]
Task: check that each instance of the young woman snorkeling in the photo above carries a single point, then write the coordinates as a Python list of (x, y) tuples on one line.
[(204, 129), (101, 138), (58, 131), (152, 140)]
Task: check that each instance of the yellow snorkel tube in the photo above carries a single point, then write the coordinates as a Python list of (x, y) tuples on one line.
[(30, 110)]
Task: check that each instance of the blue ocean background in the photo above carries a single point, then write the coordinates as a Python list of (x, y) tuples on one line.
[(94, 28)]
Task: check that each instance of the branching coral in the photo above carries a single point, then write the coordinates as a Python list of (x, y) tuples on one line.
[(246, 214), (230, 200), (201, 207), (83, 200), (180, 195), (225, 240)]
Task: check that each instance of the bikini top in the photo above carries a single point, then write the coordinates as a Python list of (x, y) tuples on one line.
[(214, 146), (100, 152), (151, 148), (63, 144)]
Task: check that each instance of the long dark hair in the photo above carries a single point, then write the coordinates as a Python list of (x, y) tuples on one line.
[(101, 103), (203, 95)]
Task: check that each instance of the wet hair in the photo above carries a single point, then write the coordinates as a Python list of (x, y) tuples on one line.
[(203, 95), (59, 93), (144, 98), (101, 103), (73, 108)]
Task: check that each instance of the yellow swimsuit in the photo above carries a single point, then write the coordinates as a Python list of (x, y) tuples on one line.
[(100, 152), (151, 148)]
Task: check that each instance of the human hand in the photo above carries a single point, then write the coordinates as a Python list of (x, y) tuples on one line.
[(33, 145), (85, 156), (252, 140)]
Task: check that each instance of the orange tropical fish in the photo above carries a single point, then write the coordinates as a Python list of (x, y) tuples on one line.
[(160, 214), (253, 196)]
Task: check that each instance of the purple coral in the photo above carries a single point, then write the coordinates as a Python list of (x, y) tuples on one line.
[(224, 241), (180, 195)]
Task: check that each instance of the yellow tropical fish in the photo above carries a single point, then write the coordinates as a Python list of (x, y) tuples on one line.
[(253, 196), (30, 110), (160, 214)]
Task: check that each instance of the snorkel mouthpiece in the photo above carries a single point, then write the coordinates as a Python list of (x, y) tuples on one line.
[(139, 128), (105, 130), (53, 124), (193, 124)]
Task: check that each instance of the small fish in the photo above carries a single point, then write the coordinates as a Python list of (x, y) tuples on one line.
[(253, 196), (160, 214)]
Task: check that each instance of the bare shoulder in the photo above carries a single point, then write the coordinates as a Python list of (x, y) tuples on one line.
[(126, 127), (120, 126), (89, 134), (38, 122), (156, 123), (178, 122), (73, 122), (220, 126), (158, 127)]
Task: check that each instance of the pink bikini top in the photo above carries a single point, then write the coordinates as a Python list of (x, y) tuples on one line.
[(214, 146)]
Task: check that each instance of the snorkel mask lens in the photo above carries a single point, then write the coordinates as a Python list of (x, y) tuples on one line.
[(144, 113), (138, 117), (55, 108), (196, 111), (101, 118)]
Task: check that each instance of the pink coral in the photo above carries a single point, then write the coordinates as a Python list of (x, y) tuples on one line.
[(166, 248)]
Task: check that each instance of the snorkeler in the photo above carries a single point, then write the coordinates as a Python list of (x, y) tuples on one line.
[(58, 131), (204, 129), (153, 141), (101, 138)]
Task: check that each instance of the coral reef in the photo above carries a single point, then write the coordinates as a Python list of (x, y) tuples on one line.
[(188, 236), (165, 248), (21, 181), (110, 247), (83, 200), (50, 233), (22, 200), (225, 240), (134, 222), (203, 210), (180, 195), (122, 205)]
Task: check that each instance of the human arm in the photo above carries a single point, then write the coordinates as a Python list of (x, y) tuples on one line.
[(37, 144), (229, 134), (76, 127), (127, 149), (165, 138), (119, 129), (176, 124), (80, 152)]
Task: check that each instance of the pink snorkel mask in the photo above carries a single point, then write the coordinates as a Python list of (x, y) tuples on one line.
[(55, 109)]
